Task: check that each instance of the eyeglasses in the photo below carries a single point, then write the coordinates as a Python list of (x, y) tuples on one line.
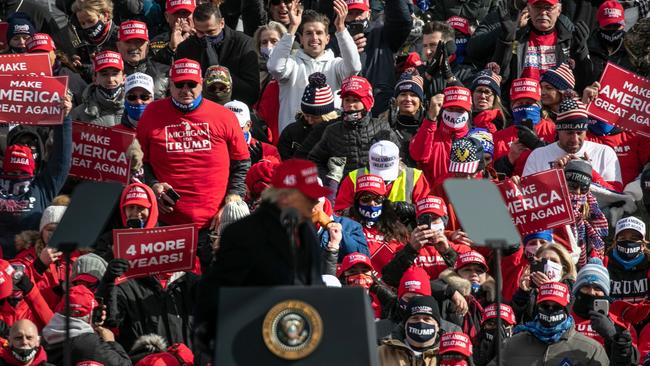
[(134, 97), (368, 197), (547, 8), (487, 92), (189, 84)]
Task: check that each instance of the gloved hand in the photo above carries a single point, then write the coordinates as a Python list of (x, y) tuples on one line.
[(434, 65), (255, 151), (24, 284), (621, 350), (602, 325), (528, 137), (445, 68), (335, 165), (508, 24), (405, 212), (116, 268), (579, 42)]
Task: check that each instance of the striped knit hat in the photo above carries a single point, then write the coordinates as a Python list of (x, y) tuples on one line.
[(318, 98), (489, 79), (466, 156), (410, 81), (593, 273), (561, 77), (572, 116)]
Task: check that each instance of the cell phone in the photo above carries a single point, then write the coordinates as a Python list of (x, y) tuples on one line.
[(171, 193), (538, 266), (19, 271), (527, 123), (355, 28), (601, 306), (425, 219), (97, 311)]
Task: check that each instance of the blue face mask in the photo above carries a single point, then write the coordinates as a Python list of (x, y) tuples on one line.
[(188, 107), (531, 112), (461, 44), (214, 40), (370, 213), (134, 110), (600, 128)]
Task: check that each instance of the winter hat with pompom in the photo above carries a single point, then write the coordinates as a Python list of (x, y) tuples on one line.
[(318, 98)]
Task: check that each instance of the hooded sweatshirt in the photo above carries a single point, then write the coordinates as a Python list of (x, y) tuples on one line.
[(152, 220)]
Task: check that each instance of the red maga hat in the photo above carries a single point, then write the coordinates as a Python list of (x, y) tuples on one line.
[(301, 175)]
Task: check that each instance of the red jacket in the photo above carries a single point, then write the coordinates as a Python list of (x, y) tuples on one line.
[(431, 146), (32, 307), (545, 129), (584, 326), (9, 359), (631, 149), (268, 109)]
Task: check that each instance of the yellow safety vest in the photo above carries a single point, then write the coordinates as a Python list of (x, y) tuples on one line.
[(402, 188)]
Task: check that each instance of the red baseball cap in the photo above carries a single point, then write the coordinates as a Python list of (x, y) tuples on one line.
[(358, 5), (133, 29), (554, 291), (40, 42), (460, 24), (137, 195), (354, 258), (458, 342), (259, 176), (552, 2), (525, 88), (610, 12), (371, 183), (301, 175), (457, 96), (359, 87), (185, 70), (431, 204), (507, 314), (469, 258), (6, 279), (82, 302), (415, 280), (106, 59), (19, 159), (172, 6)]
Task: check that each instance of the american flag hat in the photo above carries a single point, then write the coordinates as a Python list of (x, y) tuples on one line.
[(466, 155), (318, 98), (561, 77), (572, 116)]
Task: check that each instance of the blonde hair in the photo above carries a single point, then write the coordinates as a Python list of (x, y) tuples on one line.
[(330, 116), (95, 6), (272, 26), (568, 267)]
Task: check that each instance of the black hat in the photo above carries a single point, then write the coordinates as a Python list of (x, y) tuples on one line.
[(578, 171), (426, 305)]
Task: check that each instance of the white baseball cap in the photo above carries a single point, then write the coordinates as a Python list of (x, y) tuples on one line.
[(384, 160), (631, 223), (140, 80), (240, 109)]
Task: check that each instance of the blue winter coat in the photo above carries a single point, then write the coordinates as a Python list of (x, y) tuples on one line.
[(353, 239)]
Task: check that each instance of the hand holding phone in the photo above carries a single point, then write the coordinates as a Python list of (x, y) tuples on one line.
[(601, 306)]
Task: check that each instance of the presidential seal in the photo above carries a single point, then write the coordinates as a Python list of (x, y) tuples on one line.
[(292, 329)]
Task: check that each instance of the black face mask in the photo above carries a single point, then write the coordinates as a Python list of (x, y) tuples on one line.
[(18, 49), (628, 249), (612, 37), (24, 355), (551, 319), (421, 332), (584, 303), (363, 24), (96, 32), (135, 223), (110, 93), (352, 118)]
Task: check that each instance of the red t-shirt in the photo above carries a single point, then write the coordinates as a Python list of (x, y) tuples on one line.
[(540, 54), (192, 153), (631, 150), (381, 251)]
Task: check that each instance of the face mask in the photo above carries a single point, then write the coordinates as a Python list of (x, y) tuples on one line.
[(266, 52), (455, 120), (578, 200), (628, 249), (552, 319), (110, 93), (134, 110), (524, 112), (24, 355), (359, 280), (611, 37), (18, 49), (440, 226), (135, 223), (600, 128), (584, 303), (185, 108), (213, 40), (96, 32), (461, 44), (353, 117), (476, 288), (363, 23), (403, 304), (420, 332), (370, 213), (453, 360)]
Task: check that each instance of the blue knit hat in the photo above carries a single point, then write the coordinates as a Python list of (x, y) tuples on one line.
[(593, 273), (318, 98), (544, 234), (19, 23), (489, 79), (410, 80), (561, 77)]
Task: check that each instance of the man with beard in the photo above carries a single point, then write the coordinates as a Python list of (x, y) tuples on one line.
[(24, 346)]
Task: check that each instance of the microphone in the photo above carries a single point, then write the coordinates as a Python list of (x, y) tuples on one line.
[(289, 217)]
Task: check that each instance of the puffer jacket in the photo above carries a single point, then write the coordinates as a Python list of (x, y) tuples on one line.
[(292, 72), (394, 352), (156, 70), (341, 139), (97, 110), (573, 348)]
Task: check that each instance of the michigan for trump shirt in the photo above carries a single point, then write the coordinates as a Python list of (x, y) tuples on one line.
[(192, 153)]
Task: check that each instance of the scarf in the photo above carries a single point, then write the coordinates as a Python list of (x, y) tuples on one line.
[(545, 335), (487, 118), (628, 264), (589, 228)]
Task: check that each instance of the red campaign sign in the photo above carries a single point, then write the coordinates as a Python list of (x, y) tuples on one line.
[(25, 64), (156, 250), (35, 100), (99, 153), (541, 201), (4, 26), (623, 100)]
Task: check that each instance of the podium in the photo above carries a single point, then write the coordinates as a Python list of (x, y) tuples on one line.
[(295, 326)]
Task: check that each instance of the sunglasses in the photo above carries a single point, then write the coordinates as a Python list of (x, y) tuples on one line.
[(219, 88), (278, 2), (367, 198), (190, 84), (134, 97)]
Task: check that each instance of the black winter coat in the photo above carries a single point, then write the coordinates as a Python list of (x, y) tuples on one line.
[(341, 139), (90, 347), (598, 58), (237, 53), (292, 137), (141, 306), (158, 73)]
